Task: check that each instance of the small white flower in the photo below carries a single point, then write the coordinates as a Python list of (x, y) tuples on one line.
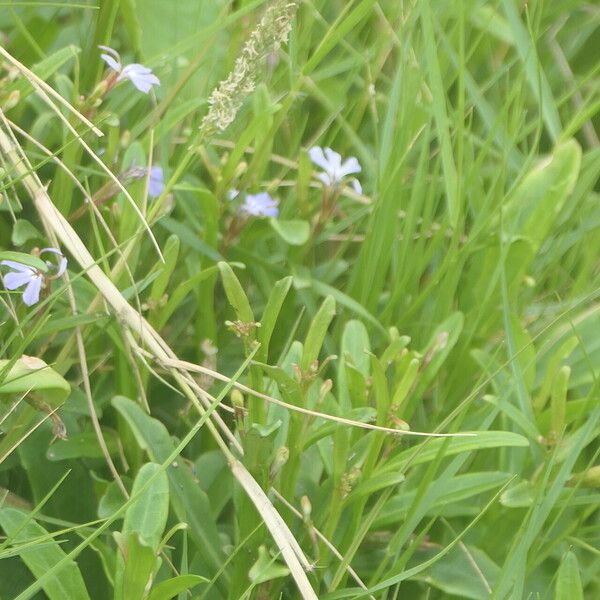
[(334, 170), (30, 277), (141, 77), (260, 205)]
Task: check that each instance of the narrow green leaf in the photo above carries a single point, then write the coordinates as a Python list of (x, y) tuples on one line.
[(40, 559), (534, 70), (235, 294), (171, 255), (44, 70), (316, 333), (270, 314), (428, 451), (440, 113), (343, 25), (568, 580), (165, 590), (136, 563)]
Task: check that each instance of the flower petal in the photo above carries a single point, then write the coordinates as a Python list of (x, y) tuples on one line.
[(156, 182), (17, 266), (31, 295), (325, 178), (62, 263), (144, 83), (13, 280), (317, 156), (349, 167), (53, 250), (141, 77), (62, 267), (135, 69), (260, 205), (334, 159), (356, 185), (110, 51), (111, 62)]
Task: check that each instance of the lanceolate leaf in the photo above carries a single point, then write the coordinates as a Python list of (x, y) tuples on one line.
[(43, 555)]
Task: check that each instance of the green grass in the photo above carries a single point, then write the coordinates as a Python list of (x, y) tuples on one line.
[(235, 407)]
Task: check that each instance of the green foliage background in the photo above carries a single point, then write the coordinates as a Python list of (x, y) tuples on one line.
[(457, 294)]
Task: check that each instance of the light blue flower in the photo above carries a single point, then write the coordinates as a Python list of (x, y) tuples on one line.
[(156, 182), (23, 275), (260, 205), (334, 170), (141, 77)]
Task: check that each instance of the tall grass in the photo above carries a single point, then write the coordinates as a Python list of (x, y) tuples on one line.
[(385, 391)]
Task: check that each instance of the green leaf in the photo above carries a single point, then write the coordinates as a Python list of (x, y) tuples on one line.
[(44, 69), (568, 580), (188, 238), (344, 24), (266, 568), (171, 255), (143, 526), (536, 74), (28, 374), (452, 499), (540, 197), (289, 387), (112, 499), (42, 556), (168, 589), (455, 574), (23, 231), (316, 333), (357, 346), (270, 314), (441, 343), (148, 515), (189, 502), (181, 292), (440, 113), (58, 324), (344, 300), (235, 294), (295, 232), (185, 36), (374, 484), (26, 259), (82, 445), (136, 563), (428, 450)]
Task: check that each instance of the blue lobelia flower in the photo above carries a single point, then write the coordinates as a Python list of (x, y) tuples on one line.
[(260, 205), (334, 170), (32, 279), (141, 77)]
